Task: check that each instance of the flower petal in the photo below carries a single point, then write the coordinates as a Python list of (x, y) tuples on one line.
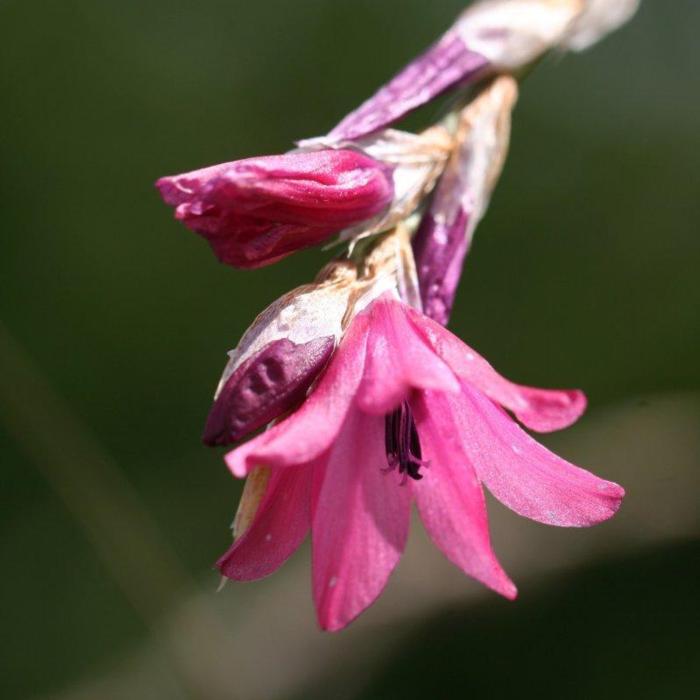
[(279, 527), (360, 523), (524, 475), (450, 498), (398, 360), (310, 430), (543, 410)]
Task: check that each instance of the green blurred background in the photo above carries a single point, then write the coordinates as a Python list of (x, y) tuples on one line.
[(114, 321)]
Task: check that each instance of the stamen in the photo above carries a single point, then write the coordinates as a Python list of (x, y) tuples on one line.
[(402, 444)]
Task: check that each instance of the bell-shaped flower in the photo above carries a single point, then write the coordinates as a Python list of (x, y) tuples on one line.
[(405, 412)]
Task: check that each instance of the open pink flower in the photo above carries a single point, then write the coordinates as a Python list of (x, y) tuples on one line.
[(403, 394), (256, 211)]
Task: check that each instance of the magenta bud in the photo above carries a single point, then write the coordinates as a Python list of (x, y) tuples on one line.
[(255, 211), (445, 65), (264, 387)]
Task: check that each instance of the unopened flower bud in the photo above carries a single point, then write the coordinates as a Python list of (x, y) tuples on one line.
[(280, 356), (265, 386), (462, 196), (256, 211)]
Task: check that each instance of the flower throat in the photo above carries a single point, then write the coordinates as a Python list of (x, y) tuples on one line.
[(402, 444)]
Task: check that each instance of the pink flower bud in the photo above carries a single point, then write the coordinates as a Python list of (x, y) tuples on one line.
[(271, 382), (280, 356), (256, 211)]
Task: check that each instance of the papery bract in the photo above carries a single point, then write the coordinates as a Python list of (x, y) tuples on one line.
[(462, 196), (256, 211), (330, 466), (490, 37)]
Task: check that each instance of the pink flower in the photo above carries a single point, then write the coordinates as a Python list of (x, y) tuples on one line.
[(403, 394), (256, 211)]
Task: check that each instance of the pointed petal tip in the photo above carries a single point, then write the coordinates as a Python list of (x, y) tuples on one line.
[(616, 494), (222, 564), (602, 506), (230, 572), (610, 497), (508, 590), (329, 624), (222, 568), (551, 410), (496, 579)]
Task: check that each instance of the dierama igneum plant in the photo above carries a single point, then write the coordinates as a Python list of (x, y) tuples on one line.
[(370, 403)]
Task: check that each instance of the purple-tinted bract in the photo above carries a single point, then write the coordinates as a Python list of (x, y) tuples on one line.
[(440, 249), (444, 65)]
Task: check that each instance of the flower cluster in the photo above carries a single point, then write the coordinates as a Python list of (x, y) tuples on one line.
[(368, 404)]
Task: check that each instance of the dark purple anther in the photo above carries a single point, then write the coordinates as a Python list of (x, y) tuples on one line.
[(440, 249), (443, 66), (265, 386), (402, 444)]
